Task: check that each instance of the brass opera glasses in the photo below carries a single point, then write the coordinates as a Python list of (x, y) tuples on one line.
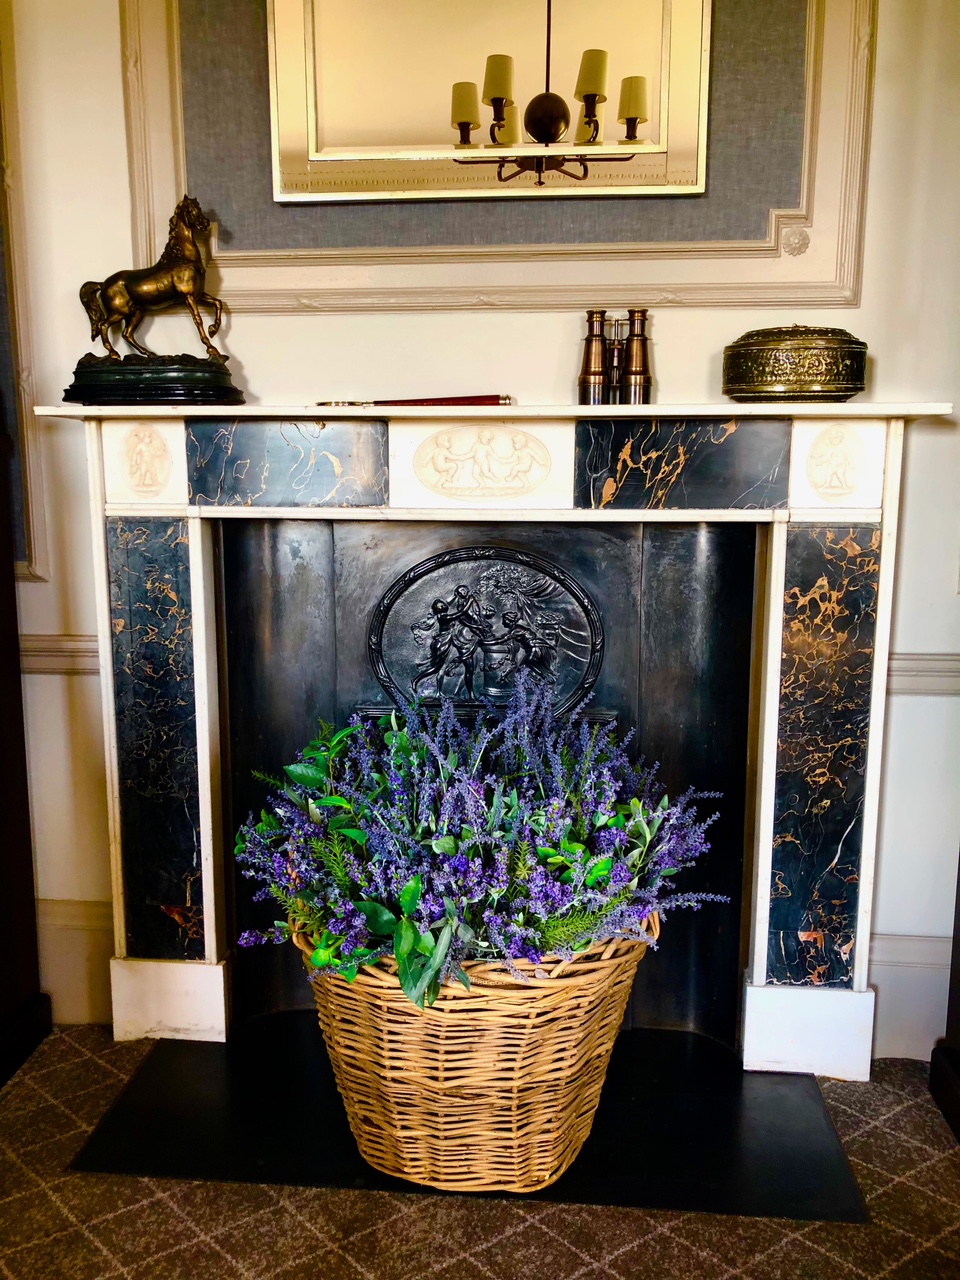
[(616, 369), (126, 298)]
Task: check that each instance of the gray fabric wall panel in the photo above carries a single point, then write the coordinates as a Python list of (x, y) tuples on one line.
[(754, 152)]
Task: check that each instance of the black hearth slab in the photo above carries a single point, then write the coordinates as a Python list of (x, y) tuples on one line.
[(680, 1126)]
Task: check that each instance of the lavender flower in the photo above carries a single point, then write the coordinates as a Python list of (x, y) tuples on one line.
[(511, 838)]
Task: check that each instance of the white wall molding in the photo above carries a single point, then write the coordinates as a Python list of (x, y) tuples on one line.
[(934, 675), (63, 913), (931, 674), (56, 655), (911, 976), (76, 943), (811, 256)]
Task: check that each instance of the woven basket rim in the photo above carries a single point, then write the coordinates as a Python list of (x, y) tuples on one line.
[(495, 973)]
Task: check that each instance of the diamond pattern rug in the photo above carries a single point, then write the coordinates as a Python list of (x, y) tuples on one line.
[(59, 1225)]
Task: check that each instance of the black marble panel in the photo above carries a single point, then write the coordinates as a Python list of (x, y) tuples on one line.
[(156, 737), (663, 463), (268, 463), (825, 678)]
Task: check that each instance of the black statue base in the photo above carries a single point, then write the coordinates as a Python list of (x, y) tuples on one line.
[(680, 1126), (152, 380)]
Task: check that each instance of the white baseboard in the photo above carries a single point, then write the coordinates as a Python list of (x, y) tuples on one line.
[(808, 1029), (911, 976), (76, 943), (169, 999)]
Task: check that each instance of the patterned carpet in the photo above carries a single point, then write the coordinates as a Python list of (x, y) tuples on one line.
[(57, 1225)]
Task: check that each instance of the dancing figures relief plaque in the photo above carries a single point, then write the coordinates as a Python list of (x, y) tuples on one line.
[(462, 623)]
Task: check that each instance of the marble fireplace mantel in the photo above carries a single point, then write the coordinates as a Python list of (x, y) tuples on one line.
[(824, 480)]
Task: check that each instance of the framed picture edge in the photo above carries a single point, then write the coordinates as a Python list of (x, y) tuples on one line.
[(811, 255), (35, 567)]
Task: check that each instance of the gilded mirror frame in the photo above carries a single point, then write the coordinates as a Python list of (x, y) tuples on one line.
[(671, 163)]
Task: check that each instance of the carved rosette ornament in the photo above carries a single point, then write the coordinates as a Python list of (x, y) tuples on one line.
[(794, 362)]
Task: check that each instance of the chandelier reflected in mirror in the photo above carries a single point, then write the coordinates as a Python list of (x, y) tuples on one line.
[(546, 118)]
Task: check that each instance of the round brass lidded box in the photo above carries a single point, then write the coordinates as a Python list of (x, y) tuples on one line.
[(794, 362)]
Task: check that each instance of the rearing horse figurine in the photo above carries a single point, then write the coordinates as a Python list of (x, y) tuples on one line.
[(127, 296)]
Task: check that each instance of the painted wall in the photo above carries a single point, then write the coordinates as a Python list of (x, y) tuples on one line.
[(75, 186)]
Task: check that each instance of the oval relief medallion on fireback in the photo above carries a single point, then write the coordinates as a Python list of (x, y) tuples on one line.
[(478, 462), (462, 624)]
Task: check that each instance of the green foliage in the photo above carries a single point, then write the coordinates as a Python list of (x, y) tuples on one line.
[(576, 926), (333, 850)]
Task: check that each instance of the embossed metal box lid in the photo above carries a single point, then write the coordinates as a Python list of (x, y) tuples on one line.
[(794, 362)]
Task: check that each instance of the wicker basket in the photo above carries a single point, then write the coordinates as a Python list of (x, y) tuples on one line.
[(492, 1089)]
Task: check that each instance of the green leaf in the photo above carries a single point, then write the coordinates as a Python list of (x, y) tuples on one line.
[(433, 965), (670, 871), (322, 956), (466, 934), (601, 869), (306, 775), (341, 734), (354, 834), (379, 920), (350, 972), (404, 939), (410, 895), (298, 800), (463, 978), (334, 801), (426, 943), (410, 972), (444, 844)]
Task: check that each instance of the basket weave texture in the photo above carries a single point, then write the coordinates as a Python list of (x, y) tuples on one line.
[(491, 1089)]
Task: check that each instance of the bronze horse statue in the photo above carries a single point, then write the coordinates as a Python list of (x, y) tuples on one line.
[(127, 296)]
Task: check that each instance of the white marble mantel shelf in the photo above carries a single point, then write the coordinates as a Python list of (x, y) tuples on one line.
[(728, 409)]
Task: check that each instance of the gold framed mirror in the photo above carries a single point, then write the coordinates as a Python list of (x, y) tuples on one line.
[(365, 105)]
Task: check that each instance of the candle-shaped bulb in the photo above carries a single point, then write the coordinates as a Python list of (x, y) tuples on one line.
[(465, 105), (633, 99), (593, 75), (498, 80)]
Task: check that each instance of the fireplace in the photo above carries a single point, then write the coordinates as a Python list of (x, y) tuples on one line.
[(741, 565)]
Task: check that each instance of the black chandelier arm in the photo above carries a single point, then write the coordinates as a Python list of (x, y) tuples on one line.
[(539, 165), (561, 167), (520, 169)]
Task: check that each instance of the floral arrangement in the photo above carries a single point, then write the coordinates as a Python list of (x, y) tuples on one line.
[(510, 837)]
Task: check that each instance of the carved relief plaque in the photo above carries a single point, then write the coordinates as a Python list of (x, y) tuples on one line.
[(148, 460), (482, 462), (503, 464), (834, 463), (144, 463), (462, 623)]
